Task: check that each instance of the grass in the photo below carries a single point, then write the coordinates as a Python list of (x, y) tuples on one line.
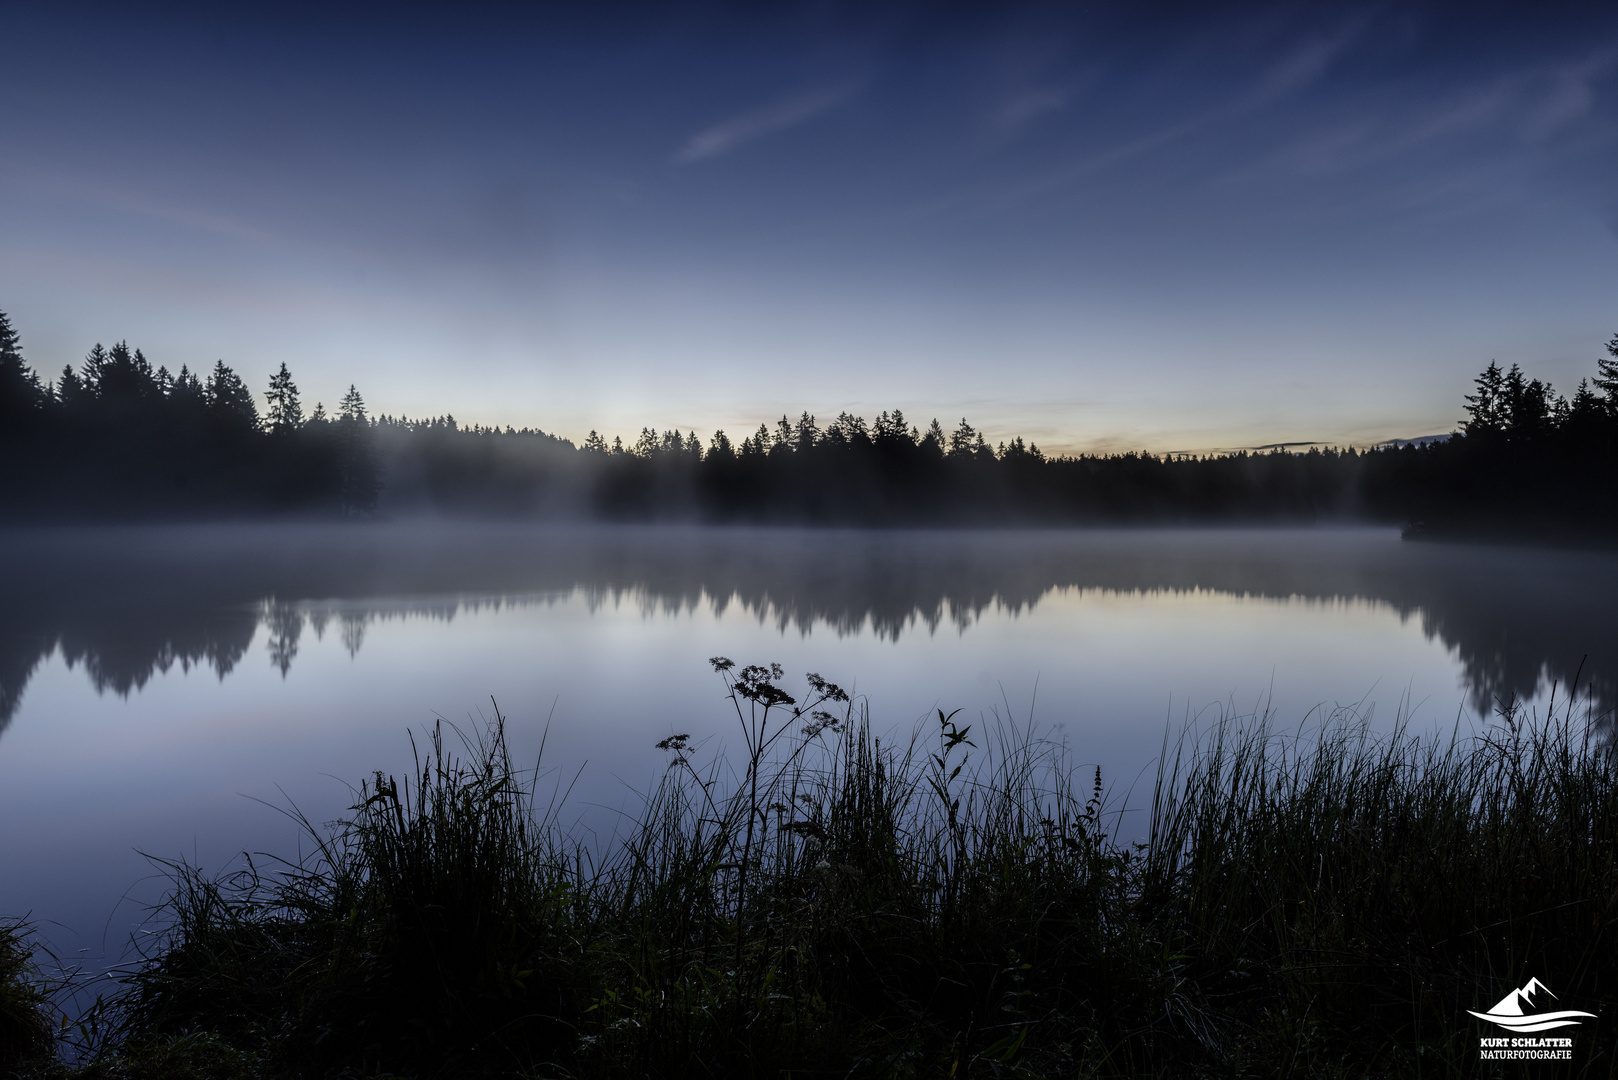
[(1327, 903), (27, 1035)]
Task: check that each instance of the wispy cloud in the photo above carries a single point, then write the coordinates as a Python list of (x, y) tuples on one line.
[(1301, 67), (1569, 93), (1306, 64), (1529, 105), (131, 201), (1023, 109), (725, 136)]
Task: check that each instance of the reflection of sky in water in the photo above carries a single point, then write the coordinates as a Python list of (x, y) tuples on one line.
[(142, 726)]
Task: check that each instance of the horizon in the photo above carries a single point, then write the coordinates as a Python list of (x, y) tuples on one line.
[(767, 428), (1103, 231)]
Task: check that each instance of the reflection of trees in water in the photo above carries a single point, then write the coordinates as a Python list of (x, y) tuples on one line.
[(787, 611), (353, 624), (123, 655), (130, 604), (285, 625)]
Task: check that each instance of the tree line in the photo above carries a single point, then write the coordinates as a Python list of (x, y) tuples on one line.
[(116, 438), (1525, 461)]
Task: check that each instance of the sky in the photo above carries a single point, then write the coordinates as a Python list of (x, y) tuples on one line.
[(1100, 227)]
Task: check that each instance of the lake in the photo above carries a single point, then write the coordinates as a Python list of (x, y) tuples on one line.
[(166, 692)]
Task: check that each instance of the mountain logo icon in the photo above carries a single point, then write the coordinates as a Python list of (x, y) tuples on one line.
[(1516, 1011)]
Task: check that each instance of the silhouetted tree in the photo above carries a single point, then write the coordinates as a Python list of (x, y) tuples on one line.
[(1486, 409), (229, 401), (120, 378), (70, 390), (962, 439), (21, 396), (1606, 378), (284, 414), (356, 455), (187, 395)]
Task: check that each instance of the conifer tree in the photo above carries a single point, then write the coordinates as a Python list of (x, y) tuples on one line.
[(228, 398), (352, 405), (187, 395), (90, 372), (807, 433), (284, 413), (120, 375), (890, 429), (1606, 379), (1487, 407), (356, 455), (20, 392), (963, 439), (1584, 407), (70, 390)]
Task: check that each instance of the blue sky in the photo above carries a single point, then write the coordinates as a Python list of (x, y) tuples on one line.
[(1102, 227)]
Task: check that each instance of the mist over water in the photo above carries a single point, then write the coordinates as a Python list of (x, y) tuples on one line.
[(151, 677)]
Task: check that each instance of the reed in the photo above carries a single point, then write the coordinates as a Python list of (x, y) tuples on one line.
[(1326, 901), (27, 1034)]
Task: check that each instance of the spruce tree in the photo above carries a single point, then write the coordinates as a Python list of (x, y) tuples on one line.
[(20, 393), (229, 400), (284, 413), (121, 375), (1487, 408), (70, 389), (356, 455), (352, 405), (1585, 405), (807, 433), (90, 372), (187, 397), (962, 440), (1606, 379)]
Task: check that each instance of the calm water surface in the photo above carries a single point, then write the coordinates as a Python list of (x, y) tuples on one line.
[(160, 686)]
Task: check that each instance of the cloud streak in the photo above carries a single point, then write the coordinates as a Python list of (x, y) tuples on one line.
[(725, 136), (131, 201)]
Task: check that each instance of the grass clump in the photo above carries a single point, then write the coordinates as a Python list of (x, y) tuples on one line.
[(27, 1034), (960, 905)]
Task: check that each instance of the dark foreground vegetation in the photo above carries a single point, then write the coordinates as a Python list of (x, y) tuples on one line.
[(1321, 904), (118, 438)]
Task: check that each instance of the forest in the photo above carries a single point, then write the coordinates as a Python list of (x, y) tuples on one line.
[(118, 439)]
